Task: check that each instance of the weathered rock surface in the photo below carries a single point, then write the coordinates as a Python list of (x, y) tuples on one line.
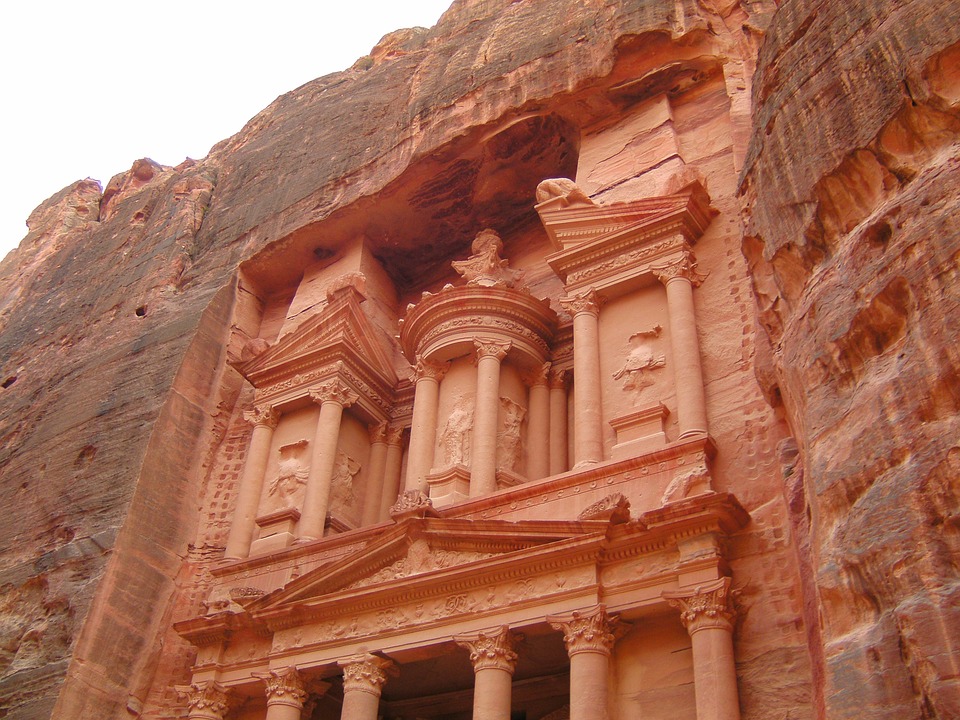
[(850, 192)]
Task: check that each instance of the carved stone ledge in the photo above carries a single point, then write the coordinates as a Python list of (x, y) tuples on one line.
[(491, 649)]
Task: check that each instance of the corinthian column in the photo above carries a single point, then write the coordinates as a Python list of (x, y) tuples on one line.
[(363, 679), (423, 429), (285, 693), (264, 420), (391, 473), (205, 700), (375, 473), (483, 445), (494, 661), (589, 640), (680, 277), (708, 617), (538, 425), (588, 438), (333, 397), (558, 421)]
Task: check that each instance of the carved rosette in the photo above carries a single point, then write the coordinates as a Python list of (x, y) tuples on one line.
[(284, 687), (685, 267), (430, 370), (364, 673), (707, 607), (491, 649), (334, 391), (265, 415), (586, 630), (491, 348), (588, 302), (205, 700)]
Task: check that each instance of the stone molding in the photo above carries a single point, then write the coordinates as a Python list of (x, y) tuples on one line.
[(364, 673), (706, 607), (589, 301), (589, 630), (264, 414), (683, 267), (614, 508), (491, 348), (334, 391), (284, 687), (207, 699), (491, 649)]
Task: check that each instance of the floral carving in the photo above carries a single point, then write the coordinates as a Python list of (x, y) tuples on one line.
[(622, 260), (378, 432), (586, 630), (265, 415), (684, 267), (431, 370), (708, 606), (559, 378), (491, 348), (490, 649), (586, 302), (411, 502), (364, 673)]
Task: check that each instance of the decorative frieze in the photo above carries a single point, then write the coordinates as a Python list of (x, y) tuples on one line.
[(490, 649), (588, 630)]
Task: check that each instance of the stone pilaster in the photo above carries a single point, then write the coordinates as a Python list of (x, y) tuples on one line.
[(494, 660), (363, 680), (587, 399), (333, 396), (483, 447), (375, 473), (707, 614), (538, 424), (588, 635), (680, 277), (559, 448), (423, 430), (264, 419), (205, 700), (391, 473)]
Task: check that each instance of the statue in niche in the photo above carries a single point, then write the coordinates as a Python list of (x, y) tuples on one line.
[(287, 488), (455, 436), (485, 267), (345, 469), (640, 360), (509, 446)]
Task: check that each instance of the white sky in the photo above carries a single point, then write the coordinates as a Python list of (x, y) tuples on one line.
[(88, 88)]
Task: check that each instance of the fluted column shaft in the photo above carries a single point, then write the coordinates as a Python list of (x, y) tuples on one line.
[(708, 617), (559, 448), (285, 694), (589, 640), (375, 474), (493, 659), (538, 426), (423, 429), (587, 399), (391, 472), (679, 279), (483, 447), (333, 397), (264, 419), (363, 680)]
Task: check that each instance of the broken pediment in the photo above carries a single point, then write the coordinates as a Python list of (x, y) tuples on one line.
[(339, 335)]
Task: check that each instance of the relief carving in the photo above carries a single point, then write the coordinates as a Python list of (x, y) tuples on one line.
[(509, 445), (693, 482), (485, 267), (341, 487), (491, 649), (420, 558), (613, 508), (287, 488), (206, 699), (586, 302), (491, 348), (586, 630), (640, 360), (685, 267), (564, 188), (284, 687), (430, 369), (334, 391), (412, 503), (708, 606), (455, 436), (364, 673), (265, 415)]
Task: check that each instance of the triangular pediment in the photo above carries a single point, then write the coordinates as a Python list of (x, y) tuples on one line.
[(419, 547), (341, 328)]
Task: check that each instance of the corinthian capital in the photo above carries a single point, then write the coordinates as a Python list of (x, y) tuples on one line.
[(284, 687), (559, 378), (683, 267), (490, 649), (334, 391), (364, 673), (430, 369), (206, 699), (264, 415), (708, 606), (491, 348), (586, 302), (588, 630)]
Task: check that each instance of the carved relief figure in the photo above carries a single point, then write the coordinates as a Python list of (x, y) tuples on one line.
[(341, 487), (485, 267), (641, 359), (287, 488), (455, 436), (509, 445)]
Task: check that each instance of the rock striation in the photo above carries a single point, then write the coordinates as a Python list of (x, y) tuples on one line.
[(826, 135)]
